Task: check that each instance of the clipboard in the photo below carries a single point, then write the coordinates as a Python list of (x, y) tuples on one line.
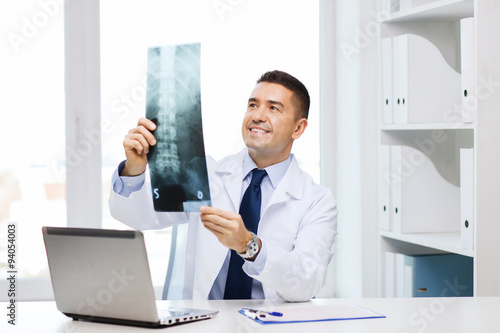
[(310, 314)]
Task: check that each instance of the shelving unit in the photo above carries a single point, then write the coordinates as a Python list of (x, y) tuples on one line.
[(443, 241), (439, 23), (419, 127), (444, 10)]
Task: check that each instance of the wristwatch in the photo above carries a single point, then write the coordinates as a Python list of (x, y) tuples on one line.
[(253, 247)]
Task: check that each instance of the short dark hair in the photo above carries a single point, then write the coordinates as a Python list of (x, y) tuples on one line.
[(300, 94)]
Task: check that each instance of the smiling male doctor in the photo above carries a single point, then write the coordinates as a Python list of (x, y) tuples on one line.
[(288, 253)]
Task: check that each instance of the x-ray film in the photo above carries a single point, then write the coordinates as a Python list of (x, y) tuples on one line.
[(177, 163)]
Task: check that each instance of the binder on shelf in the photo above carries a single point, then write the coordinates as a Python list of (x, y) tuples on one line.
[(438, 275), (469, 100), (395, 188), (387, 100), (402, 276), (408, 279), (425, 87), (400, 79), (389, 281), (467, 198), (384, 215), (422, 200), (399, 263)]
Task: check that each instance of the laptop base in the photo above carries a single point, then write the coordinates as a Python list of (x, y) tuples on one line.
[(126, 322)]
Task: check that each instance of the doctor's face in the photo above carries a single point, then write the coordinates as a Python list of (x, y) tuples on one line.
[(270, 124)]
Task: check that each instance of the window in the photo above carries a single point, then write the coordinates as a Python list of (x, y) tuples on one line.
[(32, 176)]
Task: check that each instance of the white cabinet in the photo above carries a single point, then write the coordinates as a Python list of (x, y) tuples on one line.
[(439, 161)]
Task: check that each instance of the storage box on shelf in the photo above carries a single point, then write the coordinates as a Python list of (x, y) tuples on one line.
[(435, 275)]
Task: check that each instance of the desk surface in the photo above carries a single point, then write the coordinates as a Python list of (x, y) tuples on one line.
[(403, 315)]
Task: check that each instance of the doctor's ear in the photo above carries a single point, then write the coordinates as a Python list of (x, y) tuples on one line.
[(299, 128)]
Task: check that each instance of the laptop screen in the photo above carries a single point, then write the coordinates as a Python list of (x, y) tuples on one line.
[(100, 273)]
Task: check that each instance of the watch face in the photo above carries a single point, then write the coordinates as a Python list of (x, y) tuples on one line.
[(254, 246)]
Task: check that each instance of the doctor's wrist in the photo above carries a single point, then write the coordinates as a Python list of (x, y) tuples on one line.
[(252, 248), (256, 254), (242, 249)]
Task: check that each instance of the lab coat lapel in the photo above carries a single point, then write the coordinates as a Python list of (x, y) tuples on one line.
[(292, 184), (232, 179)]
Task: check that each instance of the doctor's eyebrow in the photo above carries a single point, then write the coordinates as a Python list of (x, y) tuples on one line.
[(253, 99)]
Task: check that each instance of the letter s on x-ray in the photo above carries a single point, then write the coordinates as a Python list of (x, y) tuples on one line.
[(157, 195)]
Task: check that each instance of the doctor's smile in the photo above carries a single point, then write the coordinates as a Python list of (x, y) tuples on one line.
[(258, 130)]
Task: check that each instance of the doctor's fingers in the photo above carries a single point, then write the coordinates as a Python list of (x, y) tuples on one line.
[(149, 124), (145, 132), (208, 210), (220, 224), (210, 227), (136, 142)]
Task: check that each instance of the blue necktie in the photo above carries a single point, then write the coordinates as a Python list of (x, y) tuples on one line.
[(238, 283)]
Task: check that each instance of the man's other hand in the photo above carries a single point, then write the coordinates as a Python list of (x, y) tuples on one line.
[(227, 226)]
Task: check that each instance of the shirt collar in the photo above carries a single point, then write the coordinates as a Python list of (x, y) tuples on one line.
[(276, 172)]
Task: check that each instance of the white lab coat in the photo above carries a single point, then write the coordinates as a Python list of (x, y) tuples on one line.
[(297, 226)]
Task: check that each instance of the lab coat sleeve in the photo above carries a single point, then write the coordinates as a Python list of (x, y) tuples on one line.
[(299, 274), (136, 210)]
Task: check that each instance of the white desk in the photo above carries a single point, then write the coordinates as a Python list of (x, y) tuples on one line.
[(403, 315)]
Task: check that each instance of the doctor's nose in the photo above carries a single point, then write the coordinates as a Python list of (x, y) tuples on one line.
[(259, 115)]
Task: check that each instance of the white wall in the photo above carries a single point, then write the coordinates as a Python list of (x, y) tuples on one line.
[(369, 94), (356, 147), (327, 116)]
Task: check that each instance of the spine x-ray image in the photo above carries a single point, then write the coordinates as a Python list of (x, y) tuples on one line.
[(177, 163)]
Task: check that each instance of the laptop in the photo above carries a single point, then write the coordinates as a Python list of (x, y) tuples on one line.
[(103, 276)]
